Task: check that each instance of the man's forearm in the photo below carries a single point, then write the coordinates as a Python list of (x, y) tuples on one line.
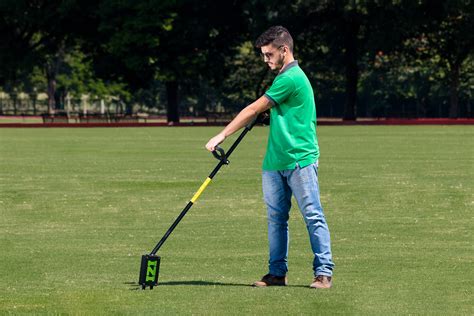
[(247, 115), (242, 119)]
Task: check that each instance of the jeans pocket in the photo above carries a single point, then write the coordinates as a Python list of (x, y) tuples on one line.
[(316, 167)]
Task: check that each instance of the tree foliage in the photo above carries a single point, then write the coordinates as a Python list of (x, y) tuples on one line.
[(364, 58)]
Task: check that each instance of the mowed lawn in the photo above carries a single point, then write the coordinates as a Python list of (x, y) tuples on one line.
[(78, 208)]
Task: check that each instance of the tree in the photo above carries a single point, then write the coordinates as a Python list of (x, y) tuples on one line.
[(175, 41), (346, 32), (426, 62), (452, 37), (76, 77), (334, 37), (41, 33), (16, 56)]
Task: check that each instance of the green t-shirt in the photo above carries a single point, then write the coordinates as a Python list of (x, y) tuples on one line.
[(292, 136)]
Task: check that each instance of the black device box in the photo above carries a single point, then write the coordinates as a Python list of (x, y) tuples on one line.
[(149, 271)]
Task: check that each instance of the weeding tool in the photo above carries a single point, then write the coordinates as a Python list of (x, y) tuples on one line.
[(150, 264)]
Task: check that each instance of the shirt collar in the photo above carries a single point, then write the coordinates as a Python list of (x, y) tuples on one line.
[(294, 63)]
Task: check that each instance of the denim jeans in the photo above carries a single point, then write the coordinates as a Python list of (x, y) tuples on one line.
[(278, 187)]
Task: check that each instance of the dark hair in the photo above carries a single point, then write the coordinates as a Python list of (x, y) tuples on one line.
[(276, 35)]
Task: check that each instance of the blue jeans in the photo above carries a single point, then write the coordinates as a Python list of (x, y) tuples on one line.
[(278, 187)]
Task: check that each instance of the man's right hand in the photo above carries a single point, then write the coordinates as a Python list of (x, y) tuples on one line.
[(213, 142)]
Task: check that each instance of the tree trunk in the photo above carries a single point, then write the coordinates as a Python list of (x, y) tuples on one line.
[(128, 108), (15, 103), (352, 71), (52, 69), (172, 107), (34, 97), (453, 91), (51, 78)]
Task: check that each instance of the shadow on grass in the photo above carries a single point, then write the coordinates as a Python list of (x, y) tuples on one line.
[(205, 283), (136, 286), (200, 283)]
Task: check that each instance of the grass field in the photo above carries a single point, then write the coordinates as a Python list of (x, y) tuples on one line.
[(78, 208)]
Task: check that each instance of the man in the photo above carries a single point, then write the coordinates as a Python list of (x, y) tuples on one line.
[(290, 165)]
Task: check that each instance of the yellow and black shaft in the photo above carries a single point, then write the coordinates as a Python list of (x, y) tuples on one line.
[(222, 157)]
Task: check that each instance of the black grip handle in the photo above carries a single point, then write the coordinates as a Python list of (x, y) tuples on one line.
[(219, 153)]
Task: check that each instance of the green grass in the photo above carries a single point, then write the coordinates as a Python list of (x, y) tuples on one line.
[(22, 119), (78, 208)]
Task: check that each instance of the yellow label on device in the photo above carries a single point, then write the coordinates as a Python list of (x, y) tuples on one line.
[(202, 188)]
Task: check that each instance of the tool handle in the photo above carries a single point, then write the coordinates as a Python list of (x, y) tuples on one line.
[(219, 153)]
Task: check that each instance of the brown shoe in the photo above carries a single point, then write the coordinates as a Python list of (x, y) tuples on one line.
[(322, 282), (271, 280)]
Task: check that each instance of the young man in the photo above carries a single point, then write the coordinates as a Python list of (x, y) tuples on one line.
[(290, 165)]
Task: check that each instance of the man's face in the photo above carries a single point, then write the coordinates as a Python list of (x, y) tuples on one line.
[(273, 56)]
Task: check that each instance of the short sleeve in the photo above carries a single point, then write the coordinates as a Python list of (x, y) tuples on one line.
[(281, 89)]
